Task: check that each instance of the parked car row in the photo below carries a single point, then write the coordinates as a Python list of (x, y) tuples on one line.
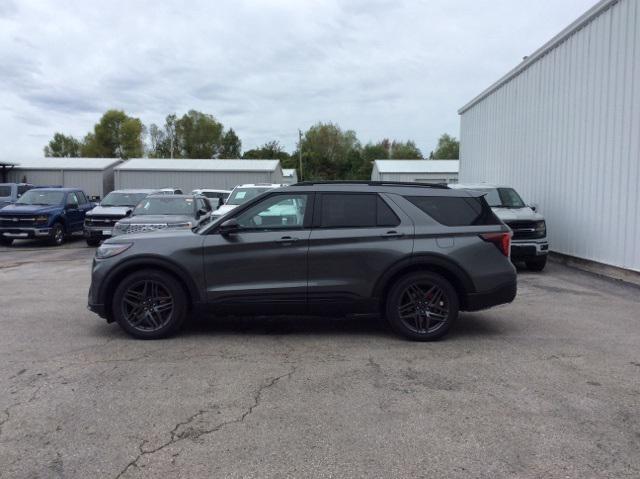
[(53, 215)]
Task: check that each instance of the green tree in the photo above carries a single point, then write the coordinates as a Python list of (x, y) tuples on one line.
[(405, 150), (231, 145), (162, 141), (270, 150), (198, 135), (62, 146), (328, 152), (116, 135), (448, 149)]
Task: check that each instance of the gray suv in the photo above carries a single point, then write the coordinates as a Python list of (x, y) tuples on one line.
[(416, 254)]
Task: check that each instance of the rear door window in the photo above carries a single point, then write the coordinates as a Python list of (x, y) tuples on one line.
[(456, 211), (342, 210)]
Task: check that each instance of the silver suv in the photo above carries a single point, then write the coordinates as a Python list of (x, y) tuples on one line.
[(529, 242), (416, 254)]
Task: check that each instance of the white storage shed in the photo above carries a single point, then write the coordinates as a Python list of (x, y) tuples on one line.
[(421, 171)]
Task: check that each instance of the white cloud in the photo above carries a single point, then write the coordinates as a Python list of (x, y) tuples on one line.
[(267, 67)]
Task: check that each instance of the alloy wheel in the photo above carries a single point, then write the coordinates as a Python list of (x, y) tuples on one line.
[(423, 307), (147, 305)]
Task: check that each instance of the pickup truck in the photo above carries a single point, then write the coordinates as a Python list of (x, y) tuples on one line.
[(11, 192), (45, 213), (99, 222)]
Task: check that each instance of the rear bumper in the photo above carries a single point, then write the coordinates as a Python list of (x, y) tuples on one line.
[(20, 232), (503, 294)]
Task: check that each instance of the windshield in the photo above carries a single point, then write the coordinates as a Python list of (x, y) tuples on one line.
[(123, 199), (5, 190), (41, 197), (242, 195), (165, 205), (502, 197)]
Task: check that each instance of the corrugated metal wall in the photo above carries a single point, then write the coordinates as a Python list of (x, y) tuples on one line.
[(191, 180), (92, 182), (565, 133), (419, 177)]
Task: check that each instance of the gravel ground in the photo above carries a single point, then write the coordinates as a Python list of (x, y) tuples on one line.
[(548, 386)]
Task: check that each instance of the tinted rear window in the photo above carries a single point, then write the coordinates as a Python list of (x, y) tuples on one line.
[(355, 211), (5, 191), (456, 211)]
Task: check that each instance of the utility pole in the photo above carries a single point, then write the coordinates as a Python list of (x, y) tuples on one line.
[(300, 153)]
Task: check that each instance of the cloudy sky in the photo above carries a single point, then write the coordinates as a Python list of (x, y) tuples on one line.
[(384, 68)]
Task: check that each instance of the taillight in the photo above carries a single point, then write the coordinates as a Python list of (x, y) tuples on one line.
[(501, 240)]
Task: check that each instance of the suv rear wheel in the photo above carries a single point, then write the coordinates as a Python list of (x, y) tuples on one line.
[(422, 306), (150, 304)]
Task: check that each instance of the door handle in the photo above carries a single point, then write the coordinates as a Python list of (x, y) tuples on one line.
[(392, 234), (287, 239)]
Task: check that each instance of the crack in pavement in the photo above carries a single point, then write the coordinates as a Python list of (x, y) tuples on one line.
[(176, 437)]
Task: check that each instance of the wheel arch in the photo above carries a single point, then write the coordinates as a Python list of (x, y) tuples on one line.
[(157, 263), (435, 263)]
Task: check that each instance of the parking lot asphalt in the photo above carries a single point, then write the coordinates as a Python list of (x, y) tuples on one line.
[(548, 386)]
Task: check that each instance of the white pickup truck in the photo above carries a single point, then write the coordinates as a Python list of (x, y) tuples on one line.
[(529, 242)]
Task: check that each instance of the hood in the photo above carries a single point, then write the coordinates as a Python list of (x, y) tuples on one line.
[(146, 219), (29, 209), (4, 201), (110, 211), (224, 209), (515, 214)]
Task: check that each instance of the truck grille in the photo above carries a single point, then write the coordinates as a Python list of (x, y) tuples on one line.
[(142, 227), (8, 221), (524, 229), (101, 220)]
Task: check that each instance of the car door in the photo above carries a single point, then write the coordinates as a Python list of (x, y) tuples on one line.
[(262, 266), (203, 204), (356, 238), (72, 212)]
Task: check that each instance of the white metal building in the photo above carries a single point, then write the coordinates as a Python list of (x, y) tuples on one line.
[(563, 128), (422, 171), (93, 175), (189, 175), (290, 176)]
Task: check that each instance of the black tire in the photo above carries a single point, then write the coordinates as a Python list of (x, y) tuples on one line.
[(135, 301), (427, 298), (93, 242), (536, 264), (4, 241), (57, 235)]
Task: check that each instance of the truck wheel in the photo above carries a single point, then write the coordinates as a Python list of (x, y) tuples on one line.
[(536, 264), (150, 304), (422, 306), (93, 242), (4, 241), (57, 235)]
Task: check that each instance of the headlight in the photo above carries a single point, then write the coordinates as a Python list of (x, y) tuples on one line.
[(186, 225), (107, 250), (42, 219), (541, 229)]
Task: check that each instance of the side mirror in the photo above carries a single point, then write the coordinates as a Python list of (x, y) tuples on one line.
[(229, 226), (533, 206), (202, 212)]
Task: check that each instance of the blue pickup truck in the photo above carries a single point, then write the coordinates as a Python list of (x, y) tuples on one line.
[(45, 213)]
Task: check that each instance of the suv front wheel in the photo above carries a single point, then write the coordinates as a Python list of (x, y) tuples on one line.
[(422, 306), (150, 304)]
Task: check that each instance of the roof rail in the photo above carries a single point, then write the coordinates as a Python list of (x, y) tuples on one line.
[(372, 183)]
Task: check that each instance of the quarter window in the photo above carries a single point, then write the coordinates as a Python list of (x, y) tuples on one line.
[(456, 211), (339, 210), (275, 212)]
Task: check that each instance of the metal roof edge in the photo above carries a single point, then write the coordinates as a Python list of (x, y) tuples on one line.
[(575, 26)]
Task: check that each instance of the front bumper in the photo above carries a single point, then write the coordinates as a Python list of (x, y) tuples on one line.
[(529, 249), (94, 232), (24, 232)]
